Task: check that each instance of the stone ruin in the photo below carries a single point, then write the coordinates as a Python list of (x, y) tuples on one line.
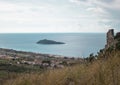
[(112, 39), (117, 35)]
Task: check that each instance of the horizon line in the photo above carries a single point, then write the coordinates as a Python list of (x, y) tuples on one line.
[(44, 32)]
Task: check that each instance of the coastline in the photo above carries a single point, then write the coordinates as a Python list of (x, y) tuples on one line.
[(31, 58), (14, 52)]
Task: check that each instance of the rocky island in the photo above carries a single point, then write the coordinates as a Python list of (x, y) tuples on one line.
[(46, 41)]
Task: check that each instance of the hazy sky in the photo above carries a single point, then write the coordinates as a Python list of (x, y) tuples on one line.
[(59, 15)]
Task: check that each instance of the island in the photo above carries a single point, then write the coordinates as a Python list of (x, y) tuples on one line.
[(46, 41)]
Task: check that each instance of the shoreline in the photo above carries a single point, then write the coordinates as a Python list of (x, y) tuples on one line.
[(49, 61), (14, 52)]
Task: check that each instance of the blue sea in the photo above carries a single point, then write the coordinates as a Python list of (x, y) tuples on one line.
[(77, 44)]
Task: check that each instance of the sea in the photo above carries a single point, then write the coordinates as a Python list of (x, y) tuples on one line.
[(76, 44)]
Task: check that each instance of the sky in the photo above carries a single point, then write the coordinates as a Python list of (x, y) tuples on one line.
[(39, 16)]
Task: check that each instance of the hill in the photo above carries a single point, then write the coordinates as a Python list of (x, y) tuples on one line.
[(97, 72)]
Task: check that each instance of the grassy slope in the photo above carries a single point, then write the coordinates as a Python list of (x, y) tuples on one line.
[(99, 72)]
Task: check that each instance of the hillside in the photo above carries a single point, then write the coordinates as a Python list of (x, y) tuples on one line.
[(98, 72)]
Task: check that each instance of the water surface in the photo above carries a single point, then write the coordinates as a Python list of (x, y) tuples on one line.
[(77, 44)]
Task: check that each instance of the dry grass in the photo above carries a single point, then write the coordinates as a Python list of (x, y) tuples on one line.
[(100, 72)]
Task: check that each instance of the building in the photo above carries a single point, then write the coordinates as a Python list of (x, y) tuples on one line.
[(112, 40)]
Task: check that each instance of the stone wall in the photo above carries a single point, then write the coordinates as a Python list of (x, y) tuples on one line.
[(117, 35), (110, 38)]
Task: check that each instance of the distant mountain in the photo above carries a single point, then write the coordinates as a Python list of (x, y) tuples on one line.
[(45, 41)]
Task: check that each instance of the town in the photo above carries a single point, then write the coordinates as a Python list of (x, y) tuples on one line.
[(48, 61)]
